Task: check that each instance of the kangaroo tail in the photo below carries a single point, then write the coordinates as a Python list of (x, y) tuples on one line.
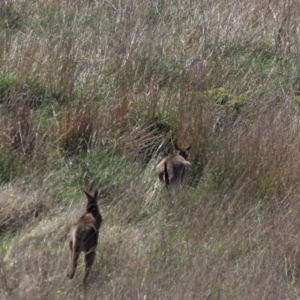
[(167, 181), (74, 254)]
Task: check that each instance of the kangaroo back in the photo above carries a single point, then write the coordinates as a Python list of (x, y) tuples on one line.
[(176, 166)]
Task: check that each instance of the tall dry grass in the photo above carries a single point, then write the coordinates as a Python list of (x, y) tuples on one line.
[(92, 93)]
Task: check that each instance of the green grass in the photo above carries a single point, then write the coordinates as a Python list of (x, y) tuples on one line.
[(10, 165), (5, 245)]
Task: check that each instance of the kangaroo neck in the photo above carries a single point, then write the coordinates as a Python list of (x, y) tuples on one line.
[(92, 208)]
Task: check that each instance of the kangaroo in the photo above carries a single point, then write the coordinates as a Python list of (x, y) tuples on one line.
[(84, 236), (175, 166)]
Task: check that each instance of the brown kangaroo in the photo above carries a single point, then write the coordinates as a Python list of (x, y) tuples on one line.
[(176, 166), (84, 236)]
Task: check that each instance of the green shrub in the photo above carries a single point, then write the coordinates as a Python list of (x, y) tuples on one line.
[(297, 101), (31, 91), (37, 93), (5, 243), (222, 97), (164, 71)]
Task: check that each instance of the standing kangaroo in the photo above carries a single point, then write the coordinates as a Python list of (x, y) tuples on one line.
[(84, 236), (176, 166)]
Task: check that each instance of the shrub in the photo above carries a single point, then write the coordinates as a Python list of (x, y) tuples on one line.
[(222, 97)]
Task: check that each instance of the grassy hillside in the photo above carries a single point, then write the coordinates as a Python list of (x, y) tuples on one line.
[(92, 95)]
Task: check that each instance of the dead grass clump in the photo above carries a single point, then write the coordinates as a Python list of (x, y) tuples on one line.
[(257, 154), (19, 206), (10, 16), (76, 131), (16, 119), (144, 143)]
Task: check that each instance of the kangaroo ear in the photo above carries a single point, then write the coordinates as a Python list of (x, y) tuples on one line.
[(188, 148), (96, 194), (86, 193), (176, 146)]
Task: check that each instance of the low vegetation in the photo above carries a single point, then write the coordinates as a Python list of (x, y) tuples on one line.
[(94, 93)]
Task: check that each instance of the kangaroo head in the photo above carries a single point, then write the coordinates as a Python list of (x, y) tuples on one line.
[(92, 199), (183, 152)]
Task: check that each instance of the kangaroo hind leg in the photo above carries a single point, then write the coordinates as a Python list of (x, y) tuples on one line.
[(89, 259)]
